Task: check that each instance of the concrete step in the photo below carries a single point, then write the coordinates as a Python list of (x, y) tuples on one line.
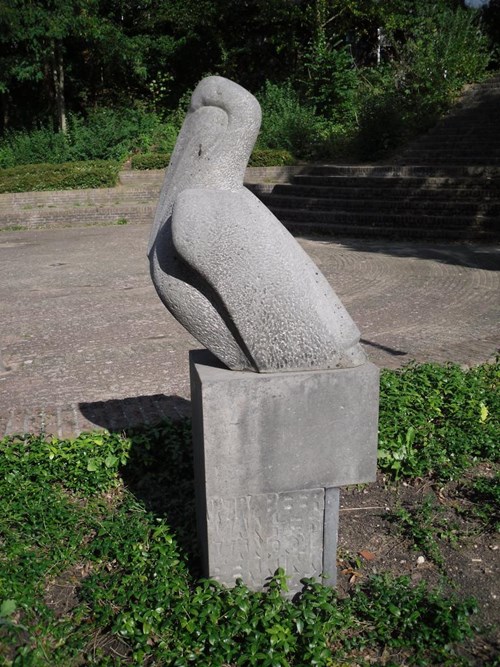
[(477, 192), (455, 144), (354, 230), (408, 183), (398, 170), (453, 154), (422, 222), (442, 160), (412, 207)]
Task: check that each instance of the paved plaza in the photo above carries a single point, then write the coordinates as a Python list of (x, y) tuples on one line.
[(86, 343)]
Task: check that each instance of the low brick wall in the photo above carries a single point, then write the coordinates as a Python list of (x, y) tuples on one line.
[(134, 200)]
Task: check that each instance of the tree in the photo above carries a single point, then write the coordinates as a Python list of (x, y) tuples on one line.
[(32, 43)]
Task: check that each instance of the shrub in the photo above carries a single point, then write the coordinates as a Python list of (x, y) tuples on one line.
[(108, 134), (150, 160), (43, 145), (447, 50), (267, 157), (331, 81), (105, 134), (383, 124), (286, 123), (77, 175)]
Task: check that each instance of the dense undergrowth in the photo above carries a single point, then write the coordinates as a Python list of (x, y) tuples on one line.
[(332, 105), (83, 517)]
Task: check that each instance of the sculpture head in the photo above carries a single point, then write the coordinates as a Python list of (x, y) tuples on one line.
[(214, 144)]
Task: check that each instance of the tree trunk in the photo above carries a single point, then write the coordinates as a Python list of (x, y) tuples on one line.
[(4, 97), (58, 80)]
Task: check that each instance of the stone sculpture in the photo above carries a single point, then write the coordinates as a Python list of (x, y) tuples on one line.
[(271, 448), (224, 266)]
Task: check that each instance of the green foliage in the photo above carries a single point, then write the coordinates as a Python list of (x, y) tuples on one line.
[(402, 616), (267, 157), (438, 419), (442, 50), (71, 175), (68, 522), (44, 145), (446, 50), (105, 134), (331, 81), (384, 115), (150, 160), (286, 123)]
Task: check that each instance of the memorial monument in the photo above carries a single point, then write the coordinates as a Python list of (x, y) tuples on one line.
[(284, 402)]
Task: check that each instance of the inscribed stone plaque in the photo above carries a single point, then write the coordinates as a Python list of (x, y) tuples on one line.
[(251, 536)]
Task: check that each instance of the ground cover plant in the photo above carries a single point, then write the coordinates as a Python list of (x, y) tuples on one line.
[(99, 564)]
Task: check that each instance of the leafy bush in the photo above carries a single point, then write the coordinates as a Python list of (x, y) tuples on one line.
[(107, 134), (104, 134), (43, 145), (286, 123), (331, 81), (438, 419), (384, 124), (77, 175), (444, 50), (150, 160), (267, 157)]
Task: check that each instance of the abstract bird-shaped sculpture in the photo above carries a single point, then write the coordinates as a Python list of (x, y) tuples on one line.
[(221, 262)]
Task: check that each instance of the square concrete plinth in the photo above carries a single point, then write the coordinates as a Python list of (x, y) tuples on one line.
[(270, 451)]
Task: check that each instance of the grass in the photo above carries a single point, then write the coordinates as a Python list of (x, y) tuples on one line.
[(99, 565)]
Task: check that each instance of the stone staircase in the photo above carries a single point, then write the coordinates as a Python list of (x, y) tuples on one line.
[(133, 201), (446, 185)]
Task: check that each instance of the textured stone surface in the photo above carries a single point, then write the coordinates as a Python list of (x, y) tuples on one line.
[(249, 537), (330, 535), (224, 266), (267, 450), (285, 431)]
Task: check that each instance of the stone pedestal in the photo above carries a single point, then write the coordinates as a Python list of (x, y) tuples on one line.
[(270, 452)]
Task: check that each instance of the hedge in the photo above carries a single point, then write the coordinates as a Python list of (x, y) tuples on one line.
[(66, 176), (260, 158), (150, 160)]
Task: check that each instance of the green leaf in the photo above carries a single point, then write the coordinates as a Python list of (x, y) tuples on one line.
[(92, 465), (110, 461), (7, 608)]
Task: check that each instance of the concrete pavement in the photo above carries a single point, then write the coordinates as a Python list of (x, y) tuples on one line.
[(85, 342)]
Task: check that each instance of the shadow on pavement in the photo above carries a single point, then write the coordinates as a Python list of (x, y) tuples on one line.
[(468, 255), (393, 352), (121, 414)]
